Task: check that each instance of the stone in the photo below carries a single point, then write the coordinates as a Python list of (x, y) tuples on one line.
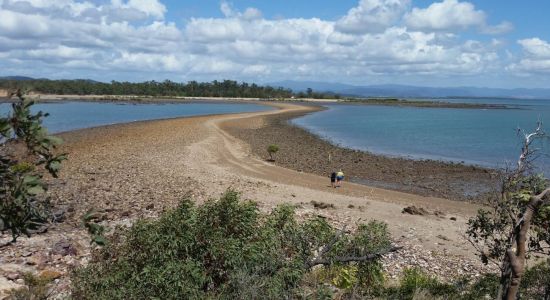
[(413, 210), (13, 276), (50, 275), (34, 260), (440, 236), (26, 254), (64, 248)]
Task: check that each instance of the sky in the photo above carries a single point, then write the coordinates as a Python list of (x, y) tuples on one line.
[(481, 43)]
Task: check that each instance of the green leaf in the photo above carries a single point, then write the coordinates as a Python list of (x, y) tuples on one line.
[(35, 190), (31, 180), (54, 140)]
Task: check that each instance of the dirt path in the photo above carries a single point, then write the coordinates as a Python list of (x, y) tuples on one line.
[(220, 161)]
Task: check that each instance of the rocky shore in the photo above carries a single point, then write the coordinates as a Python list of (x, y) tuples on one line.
[(302, 151)]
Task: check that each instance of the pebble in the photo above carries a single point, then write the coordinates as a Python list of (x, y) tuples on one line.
[(13, 276)]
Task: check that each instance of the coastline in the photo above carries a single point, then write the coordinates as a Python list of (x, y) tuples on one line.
[(137, 99), (304, 151)]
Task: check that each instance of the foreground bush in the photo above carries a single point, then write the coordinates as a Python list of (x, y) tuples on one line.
[(226, 249), (26, 152)]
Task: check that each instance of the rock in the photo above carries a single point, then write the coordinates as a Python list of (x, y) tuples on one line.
[(322, 205), (64, 248), (59, 215), (13, 276), (34, 260), (413, 210), (50, 275), (440, 236), (439, 213)]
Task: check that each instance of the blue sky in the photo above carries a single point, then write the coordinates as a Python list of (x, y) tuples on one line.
[(362, 42)]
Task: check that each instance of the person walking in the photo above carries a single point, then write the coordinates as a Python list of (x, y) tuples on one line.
[(339, 178), (333, 179)]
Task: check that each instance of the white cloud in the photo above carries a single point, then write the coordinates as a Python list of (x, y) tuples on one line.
[(372, 16), (132, 38), (536, 57), (446, 15), (250, 13), (536, 48), (501, 28), (151, 8)]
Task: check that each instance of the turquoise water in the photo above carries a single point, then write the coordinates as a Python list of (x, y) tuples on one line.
[(65, 116), (486, 137)]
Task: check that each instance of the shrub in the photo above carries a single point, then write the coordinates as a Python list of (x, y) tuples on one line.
[(223, 249), (24, 146), (416, 282), (35, 287), (536, 282)]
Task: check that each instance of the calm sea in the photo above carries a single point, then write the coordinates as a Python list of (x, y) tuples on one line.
[(65, 116), (486, 137)]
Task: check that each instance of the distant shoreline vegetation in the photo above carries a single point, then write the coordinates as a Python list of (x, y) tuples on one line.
[(423, 103), (148, 90), (167, 88)]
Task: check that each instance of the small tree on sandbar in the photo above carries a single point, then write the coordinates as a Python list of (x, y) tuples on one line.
[(517, 222), (272, 149)]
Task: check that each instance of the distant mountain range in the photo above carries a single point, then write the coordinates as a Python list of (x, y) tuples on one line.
[(407, 91), (19, 78)]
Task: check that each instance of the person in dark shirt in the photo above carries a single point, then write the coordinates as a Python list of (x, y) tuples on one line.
[(333, 179)]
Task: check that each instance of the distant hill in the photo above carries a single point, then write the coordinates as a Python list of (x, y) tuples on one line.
[(18, 78), (407, 91)]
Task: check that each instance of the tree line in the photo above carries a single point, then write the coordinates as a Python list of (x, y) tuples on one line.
[(167, 88)]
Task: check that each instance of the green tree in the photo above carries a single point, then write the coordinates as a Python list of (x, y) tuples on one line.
[(272, 149), (24, 147), (309, 92)]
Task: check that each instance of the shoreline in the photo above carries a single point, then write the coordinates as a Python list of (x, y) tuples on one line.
[(136, 99), (304, 151)]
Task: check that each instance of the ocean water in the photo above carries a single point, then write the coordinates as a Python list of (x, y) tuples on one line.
[(66, 116), (486, 137)]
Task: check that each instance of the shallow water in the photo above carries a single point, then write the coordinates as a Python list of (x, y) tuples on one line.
[(486, 137), (65, 116)]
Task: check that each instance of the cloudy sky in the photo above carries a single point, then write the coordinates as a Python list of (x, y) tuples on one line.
[(502, 43)]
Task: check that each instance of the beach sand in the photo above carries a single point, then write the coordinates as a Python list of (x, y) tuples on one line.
[(134, 171)]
